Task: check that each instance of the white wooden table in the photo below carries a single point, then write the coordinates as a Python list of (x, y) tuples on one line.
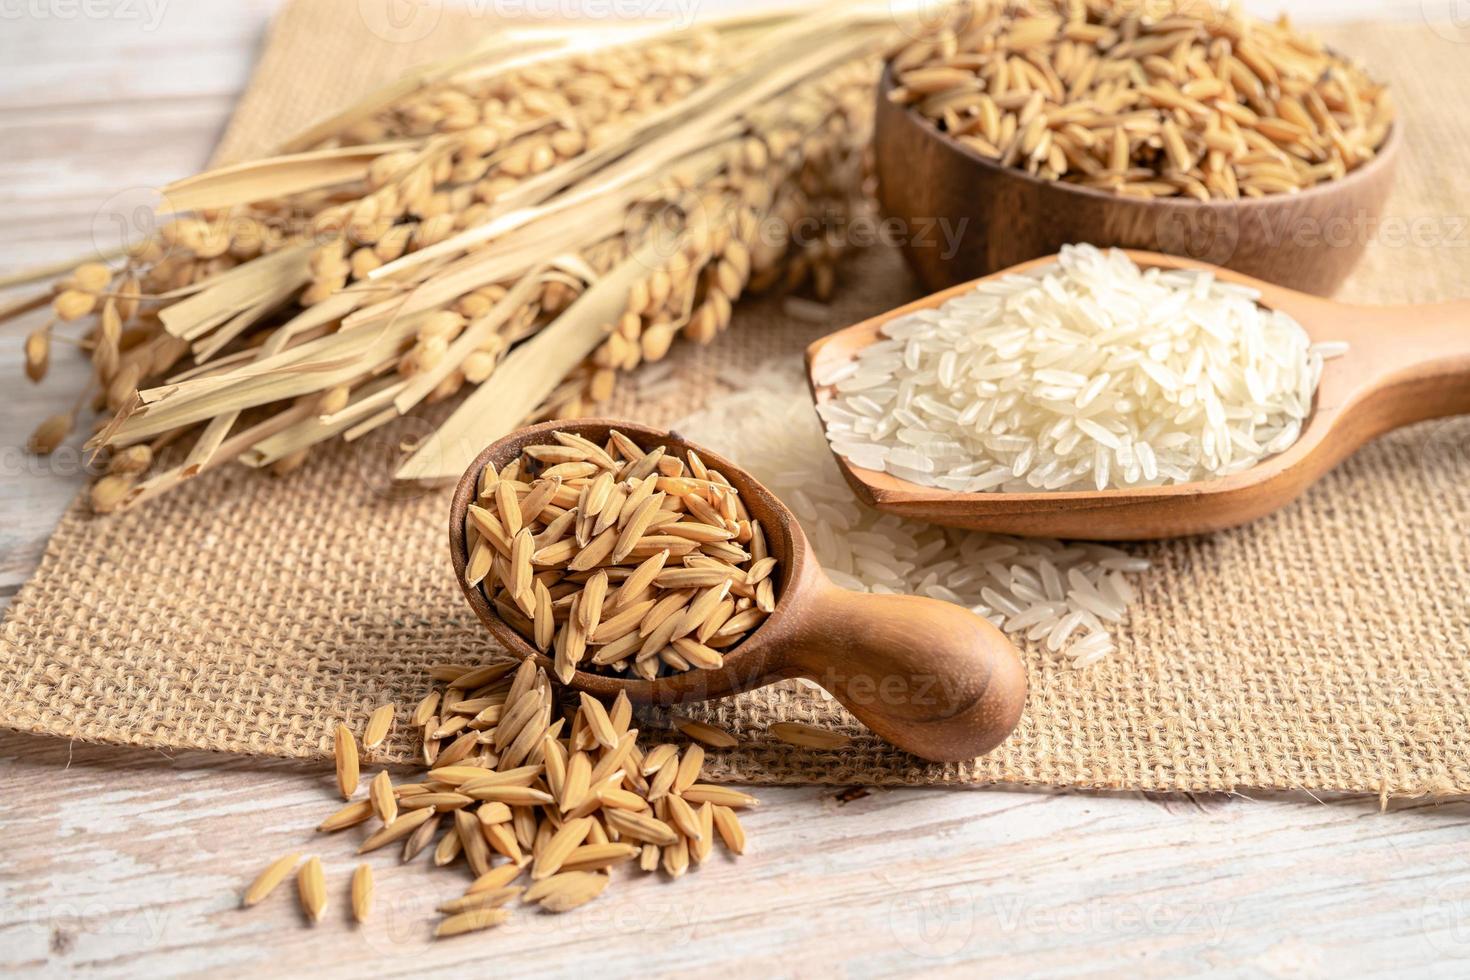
[(131, 863)]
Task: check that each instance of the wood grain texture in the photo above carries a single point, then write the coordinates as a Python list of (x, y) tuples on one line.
[(1404, 364), (132, 864), (129, 863), (928, 676), (96, 112)]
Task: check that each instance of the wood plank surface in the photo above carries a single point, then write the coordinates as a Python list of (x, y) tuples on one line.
[(132, 864), (127, 863)]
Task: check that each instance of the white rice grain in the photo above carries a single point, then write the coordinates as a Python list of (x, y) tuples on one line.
[(1093, 374), (1058, 596)]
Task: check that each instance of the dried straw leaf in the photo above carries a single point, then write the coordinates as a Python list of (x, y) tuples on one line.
[(315, 429), (529, 374), (235, 290), (275, 177), (469, 339), (320, 364)]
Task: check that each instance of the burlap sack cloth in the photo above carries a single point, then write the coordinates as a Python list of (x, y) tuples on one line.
[(1324, 648)]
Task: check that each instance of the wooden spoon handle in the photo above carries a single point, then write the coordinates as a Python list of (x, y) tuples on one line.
[(930, 677), (1414, 362)]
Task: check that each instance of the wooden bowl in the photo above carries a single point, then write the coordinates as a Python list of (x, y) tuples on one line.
[(930, 677), (967, 216)]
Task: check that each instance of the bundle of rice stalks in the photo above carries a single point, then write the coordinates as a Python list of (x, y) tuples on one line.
[(525, 222)]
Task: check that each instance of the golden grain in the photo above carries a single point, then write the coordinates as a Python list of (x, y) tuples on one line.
[(459, 775), (613, 509), (459, 750), (485, 898), (809, 736), (719, 795), (362, 893), (495, 880), (378, 725), (487, 778), (566, 891), (345, 752), (640, 827), (349, 816), (440, 801), (662, 783), (382, 798), (51, 433), (702, 846), (598, 722), (267, 880), (656, 758), (503, 839), (596, 857), (676, 858), (448, 848), (415, 843), (728, 825), (133, 459), (683, 817), (699, 731), (406, 824), (563, 811), (110, 492), (311, 887), (38, 353), (425, 709), (559, 847), (690, 765), (470, 922)]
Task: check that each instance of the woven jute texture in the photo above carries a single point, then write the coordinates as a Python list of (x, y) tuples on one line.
[(1323, 648)]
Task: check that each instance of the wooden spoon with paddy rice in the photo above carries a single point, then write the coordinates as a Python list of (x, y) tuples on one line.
[(928, 676)]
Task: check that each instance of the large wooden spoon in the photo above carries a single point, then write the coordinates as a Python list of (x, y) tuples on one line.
[(930, 677), (1405, 364)]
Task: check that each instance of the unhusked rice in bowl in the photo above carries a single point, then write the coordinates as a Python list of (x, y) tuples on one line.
[(1172, 98), (1092, 374), (1065, 597)]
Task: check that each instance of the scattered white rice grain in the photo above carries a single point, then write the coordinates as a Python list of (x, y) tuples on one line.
[(1021, 585)]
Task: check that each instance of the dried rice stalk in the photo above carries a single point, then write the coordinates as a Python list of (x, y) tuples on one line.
[(529, 220)]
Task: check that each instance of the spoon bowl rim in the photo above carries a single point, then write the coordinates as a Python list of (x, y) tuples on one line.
[(746, 665), (887, 492)]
